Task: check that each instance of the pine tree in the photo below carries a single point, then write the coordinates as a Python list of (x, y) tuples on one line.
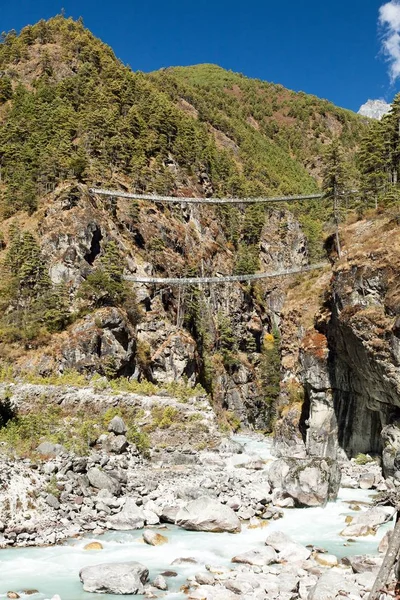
[(335, 181), (372, 160), (56, 313)]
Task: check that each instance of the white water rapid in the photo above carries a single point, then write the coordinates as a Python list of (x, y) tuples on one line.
[(55, 570)]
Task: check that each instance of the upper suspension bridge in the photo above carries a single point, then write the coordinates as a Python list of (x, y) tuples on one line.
[(182, 281), (186, 200)]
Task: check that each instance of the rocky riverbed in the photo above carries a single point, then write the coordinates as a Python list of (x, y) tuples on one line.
[(152, 522)]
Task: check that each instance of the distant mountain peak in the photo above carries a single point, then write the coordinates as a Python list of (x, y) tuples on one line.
[(375, 109)]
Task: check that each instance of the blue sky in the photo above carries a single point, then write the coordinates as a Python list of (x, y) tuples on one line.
[(330, 49)]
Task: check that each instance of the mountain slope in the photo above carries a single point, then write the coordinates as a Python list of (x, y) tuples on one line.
[(73, 116), (264, 120), (70, 109)]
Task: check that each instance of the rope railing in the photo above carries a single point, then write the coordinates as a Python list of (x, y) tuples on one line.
[(184, 200), (224, 278)]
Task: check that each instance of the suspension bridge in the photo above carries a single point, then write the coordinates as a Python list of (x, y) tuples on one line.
[(186, 200), (224, 278), (219, 279)]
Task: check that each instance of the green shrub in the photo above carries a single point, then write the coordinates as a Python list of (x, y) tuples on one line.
[(363, 459)]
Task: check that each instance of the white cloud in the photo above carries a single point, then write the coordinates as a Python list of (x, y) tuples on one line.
[(389, 19)]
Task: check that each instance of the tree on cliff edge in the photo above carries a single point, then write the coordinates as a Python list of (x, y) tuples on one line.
[(335, 182)]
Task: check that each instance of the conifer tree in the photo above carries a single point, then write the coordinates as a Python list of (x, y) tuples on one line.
[(335, 181), (372, 160)]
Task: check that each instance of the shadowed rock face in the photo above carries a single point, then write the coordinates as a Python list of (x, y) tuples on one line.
[(347, 360), (353, 386)]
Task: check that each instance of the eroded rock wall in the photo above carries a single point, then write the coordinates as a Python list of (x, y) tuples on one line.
[(177, 336), (347, 360)]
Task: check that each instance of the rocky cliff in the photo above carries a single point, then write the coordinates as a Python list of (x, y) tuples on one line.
[(213, 336), (347, 362)]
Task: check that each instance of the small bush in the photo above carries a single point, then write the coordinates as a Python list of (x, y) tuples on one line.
[(164, 417), (363, 459)]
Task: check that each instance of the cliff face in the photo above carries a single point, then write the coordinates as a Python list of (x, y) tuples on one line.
[(348, 361), (212, 335)]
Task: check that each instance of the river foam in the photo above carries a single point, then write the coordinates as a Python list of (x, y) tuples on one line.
[(55, 570)]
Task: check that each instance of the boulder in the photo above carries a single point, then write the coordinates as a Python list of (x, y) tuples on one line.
[(93, 546), (160, 583), (101, 481), (384, 543), (52, 501), (117, 444), (367, 481), (239, 585), (205, 578), (326, 560), (363, 563), (230, 446), (309, 481), (258, 558), (154, 539), (366, 523), (117, 426), (206, 514), (169, 514), (130, 517), (117, 578), (330, 585), (288, 549), (208, 592), (184, 560), (49, 449)]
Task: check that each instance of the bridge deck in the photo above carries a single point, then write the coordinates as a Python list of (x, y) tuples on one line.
[(183, 200), (223, 279)]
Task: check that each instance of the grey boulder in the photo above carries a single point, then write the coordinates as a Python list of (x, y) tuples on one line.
[(117, 578), (49, 449), (130, 517), (117, 426), (207, 514), (288, 549), (309, 481), (117, 444), (258, 558), (332, 585), (101, 481), (230, 446), (367, 523)]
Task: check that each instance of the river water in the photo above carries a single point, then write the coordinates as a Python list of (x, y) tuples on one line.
[(55, 570)]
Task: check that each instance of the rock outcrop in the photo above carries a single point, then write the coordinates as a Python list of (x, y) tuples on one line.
[(160, 336), (117, 578), (344, 362), (310, 482)]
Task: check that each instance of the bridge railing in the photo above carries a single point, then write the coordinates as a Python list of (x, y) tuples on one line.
[(184, 200), (223, 278)]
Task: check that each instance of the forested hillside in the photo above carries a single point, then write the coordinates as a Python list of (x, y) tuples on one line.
[(69, 109), (264, 124)]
